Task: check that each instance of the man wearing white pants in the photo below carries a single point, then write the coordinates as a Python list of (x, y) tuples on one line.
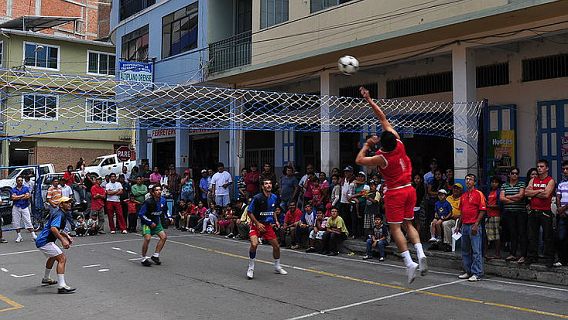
[(21, 210)]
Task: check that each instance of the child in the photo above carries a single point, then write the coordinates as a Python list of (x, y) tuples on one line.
[(335, 193), (493, 218), (211, 216), (317, 194), (372, 208), (317, 232), (442, 212), (93, 225), (80, 226), (181, 217), (379, 239), (227, 224), (132, 206)]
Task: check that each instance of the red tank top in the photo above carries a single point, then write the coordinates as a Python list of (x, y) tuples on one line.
[(398, 170), (540, 203)]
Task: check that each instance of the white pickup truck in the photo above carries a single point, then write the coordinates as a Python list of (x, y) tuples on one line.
[(104, 165), (24, 171)]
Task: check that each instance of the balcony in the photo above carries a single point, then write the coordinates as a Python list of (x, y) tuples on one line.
[(230, 53)]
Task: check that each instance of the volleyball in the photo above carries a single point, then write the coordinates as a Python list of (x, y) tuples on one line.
[(348, 65)]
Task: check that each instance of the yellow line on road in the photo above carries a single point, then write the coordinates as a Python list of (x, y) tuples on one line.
[(13, 304), (386, 285)]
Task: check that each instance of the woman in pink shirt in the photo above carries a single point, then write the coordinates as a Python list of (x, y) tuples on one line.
[(155, 177)]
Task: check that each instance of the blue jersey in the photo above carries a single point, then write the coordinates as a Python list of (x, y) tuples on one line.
[(152, 210), (443, 209), (56, 219), (263, 208), (21, 203)]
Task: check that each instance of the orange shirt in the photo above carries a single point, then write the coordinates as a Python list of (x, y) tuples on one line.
[(471, 202)]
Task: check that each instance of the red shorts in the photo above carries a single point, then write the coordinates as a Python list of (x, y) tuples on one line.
[(399, 204), (268, 233)]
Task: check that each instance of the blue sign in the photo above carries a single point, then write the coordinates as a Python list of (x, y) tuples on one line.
[(135, 71)]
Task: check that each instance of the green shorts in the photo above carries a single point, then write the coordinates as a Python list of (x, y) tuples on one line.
[(147, 230)]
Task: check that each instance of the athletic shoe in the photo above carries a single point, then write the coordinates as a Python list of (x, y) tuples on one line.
[(65, 290), (411, 272), (280, 271), (112, 232), (146, 263), (229, 236), (2, 240), (48, 282), (367, 257), (156, 260), (432, 239), (473, 278), (557, 264), (250, 273), (423, 266), (381, 259), (310, 249), (124, 232), (463, 276), (294, 247), (511, 258), (19, 239)]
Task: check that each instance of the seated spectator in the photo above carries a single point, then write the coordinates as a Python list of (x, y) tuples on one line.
[(291, 220), (378, 240), (243, 224), (194, 213), (335, 233), (317, 232), (66, 190), (180, 216), (228, 223), (317, 193), (306, 224), (93, 225), (211, 218), (493, 219), (450, 222), (442, 212), (80, 226)]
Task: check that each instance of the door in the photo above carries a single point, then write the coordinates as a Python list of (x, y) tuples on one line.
[(500, 141), (552, 139)]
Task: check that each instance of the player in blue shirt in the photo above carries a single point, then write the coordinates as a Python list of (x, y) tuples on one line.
[(262, 217), (442, 212), (150, 214), (45, 242)]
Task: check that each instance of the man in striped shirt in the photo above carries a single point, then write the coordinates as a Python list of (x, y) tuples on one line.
[(515, 214), (562, 217)]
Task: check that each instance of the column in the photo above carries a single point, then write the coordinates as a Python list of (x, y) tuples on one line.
[(329, 147), (141, 145), (5, 157), (464, 90), (182, 149)]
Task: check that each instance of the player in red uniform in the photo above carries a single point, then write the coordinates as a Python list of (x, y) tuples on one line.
[(400, 196)]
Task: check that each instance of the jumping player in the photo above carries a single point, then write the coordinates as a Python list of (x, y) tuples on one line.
[(400, 196), (262, 216), (150, 214)]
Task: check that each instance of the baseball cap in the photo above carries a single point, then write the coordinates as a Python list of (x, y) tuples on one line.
[(361, 173), (348, 168), (443, 191), (204, 171), (186, 171), (459, 185), (64, 199)]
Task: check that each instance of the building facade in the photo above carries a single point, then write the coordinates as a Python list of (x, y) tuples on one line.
[(510, 52)]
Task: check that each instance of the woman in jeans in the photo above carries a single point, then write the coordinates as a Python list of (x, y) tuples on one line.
[(514, 209), (336, 231)]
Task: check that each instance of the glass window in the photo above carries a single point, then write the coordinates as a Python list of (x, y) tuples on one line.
[(317, 5), (41, 55), (135, 45), (101, 63), (179, 31), (101, 111), (273, 12), (128, 8), (37, 106)]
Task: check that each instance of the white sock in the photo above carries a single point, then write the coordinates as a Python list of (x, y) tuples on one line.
[(145, 258), (46, 274), (419, 250), (61, 280), (251, 263), (19, 236), (156, 254), (277, 264), (407, 259), (34, 235)]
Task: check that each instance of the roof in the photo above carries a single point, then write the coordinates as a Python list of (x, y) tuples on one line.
[(56, 37), (36, 23)]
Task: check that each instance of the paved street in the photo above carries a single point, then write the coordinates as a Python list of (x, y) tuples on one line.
[(203, 276)]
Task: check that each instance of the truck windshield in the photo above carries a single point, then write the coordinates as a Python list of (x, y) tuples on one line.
[(96, 162), (14, 173)]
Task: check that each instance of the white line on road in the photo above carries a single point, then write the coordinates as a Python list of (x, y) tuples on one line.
[(131, 252), (374, 300), (4, 269), (134, 259), (117, 249), (22, 276), (92, 266), (103, 270)]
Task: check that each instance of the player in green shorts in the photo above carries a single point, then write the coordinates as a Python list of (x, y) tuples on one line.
[(150, 214)]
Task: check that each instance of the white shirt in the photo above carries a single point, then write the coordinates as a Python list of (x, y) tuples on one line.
[(66, 191), (219, 179), (113, 187), (346, 191)]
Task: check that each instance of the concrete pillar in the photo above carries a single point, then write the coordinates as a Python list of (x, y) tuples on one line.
[(141, 145), (5, 157), (224, 141), (182, 149), (329, 146), (464, 90)]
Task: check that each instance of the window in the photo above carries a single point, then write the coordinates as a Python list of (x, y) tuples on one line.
[(41, 56), (36, 106), (492, 75), (317, 5), (273, 12), (179, 31), (101, 63), (548, 67), (101, 111), (128, 8), (415, 86), (135, 45)]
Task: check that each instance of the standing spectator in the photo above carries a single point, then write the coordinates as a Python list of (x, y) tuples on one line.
[(66, 190), (336, 231), (379, 240), (54, 194), (80, 163), (473, 207), (124, 196), (29, 183), (252, 179), (113, 192), (241, 185), (164, 179), (289, 187), (449, 179), (317, 193), (220, 185), (267, 173), (493, 218), (324, 185), (429, 176), (174, 182), (187, 189), (335, 191), (373, 197), (514, 209), (346, 190), (68, 176), (204, 185), (541, 190), (2, 240), (419, 206), (562, 218), (359, 200), (306, 191), (132, 210), (126, 174), (98, 196), (211, 192), (21, 209), (139, 190), (454, 200), (155, 177)]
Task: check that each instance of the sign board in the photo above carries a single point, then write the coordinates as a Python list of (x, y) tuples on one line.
[(123, 153), (163, 133), (135, 71), (501, 153)]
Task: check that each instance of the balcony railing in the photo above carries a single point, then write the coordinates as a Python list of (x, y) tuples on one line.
[(230, 53)]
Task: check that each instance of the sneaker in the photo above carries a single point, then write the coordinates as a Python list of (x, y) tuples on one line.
[(366, 257), (522, 260), (411, 272), (294, 247), (381, 259), (463, 276), (432, 239), (124, 232), (2, 240), (250, 273), (112, 232), (191, 230), (156, 260), (511, 258), (48, 282), (557, 264), (19, 239), (146, 263), (65, 290), (280, 271), (310, 250), (229, 236), (423, 266), (473, 278)]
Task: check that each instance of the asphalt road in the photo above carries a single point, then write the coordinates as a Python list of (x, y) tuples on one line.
[(203, 276)]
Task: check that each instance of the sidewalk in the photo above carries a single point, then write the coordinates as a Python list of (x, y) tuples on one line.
[(451, 261)]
